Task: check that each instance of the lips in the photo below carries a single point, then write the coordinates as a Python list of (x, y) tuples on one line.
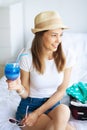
[(55, 46)]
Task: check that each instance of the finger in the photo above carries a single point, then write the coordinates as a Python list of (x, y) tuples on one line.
[(23, 121), (8, 81), (29, 122)]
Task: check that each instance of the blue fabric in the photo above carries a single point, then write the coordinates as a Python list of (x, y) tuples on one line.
[(33, 104)]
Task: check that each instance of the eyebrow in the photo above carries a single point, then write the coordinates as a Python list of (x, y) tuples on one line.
[(57, 33)]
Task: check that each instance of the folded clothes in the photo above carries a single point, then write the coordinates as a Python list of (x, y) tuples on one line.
[(78, 91)]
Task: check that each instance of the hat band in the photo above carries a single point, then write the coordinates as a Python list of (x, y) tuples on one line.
[(49, 23)]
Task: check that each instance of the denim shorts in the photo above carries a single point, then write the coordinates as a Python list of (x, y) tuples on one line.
[(33, 104)]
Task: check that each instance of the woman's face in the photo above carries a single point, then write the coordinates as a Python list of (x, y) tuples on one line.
[(51, 39)]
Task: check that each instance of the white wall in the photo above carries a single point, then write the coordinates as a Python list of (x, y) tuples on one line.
[(73, 13), (16, 28), (8, 2), (11, 31), (4, 34)]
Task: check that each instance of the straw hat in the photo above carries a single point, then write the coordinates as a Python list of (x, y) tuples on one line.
[(47, 20)]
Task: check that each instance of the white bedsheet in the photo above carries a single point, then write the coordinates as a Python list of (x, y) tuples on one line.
[(8, 104)]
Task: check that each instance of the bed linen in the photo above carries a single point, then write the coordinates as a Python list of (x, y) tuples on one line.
[(9, 100)]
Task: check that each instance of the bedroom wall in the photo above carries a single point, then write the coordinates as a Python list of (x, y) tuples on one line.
[(4, 35), (11, 31)]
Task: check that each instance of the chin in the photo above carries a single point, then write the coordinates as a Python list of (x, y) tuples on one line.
[(54, 49)]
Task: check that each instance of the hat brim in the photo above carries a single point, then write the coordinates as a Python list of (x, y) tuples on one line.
[(49, 28)]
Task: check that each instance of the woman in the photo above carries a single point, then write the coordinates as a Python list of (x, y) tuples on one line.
[(45, 75)]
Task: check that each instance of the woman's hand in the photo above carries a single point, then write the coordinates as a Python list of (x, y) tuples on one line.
[(31, 119), (14, 84)]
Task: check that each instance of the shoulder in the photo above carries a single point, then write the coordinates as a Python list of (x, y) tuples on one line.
[(26, 60), (26, 55)]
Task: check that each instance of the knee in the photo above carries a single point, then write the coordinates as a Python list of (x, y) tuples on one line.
[(65, 110)]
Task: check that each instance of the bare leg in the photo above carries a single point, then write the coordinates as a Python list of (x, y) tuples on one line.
[(40, 125), (59, 119), (51, 126)]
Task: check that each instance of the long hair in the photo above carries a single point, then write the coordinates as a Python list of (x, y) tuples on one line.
[(38, 54), (59, 58)]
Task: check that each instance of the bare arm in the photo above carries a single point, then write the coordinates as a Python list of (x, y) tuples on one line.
[(25, 79), (58, 94)]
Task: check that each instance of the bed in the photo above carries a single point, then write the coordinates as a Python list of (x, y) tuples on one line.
[(9, 100)]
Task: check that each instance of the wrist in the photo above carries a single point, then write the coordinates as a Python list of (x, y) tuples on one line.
[(21, 91), (38, 111)]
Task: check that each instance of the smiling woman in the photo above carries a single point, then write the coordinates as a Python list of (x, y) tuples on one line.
[(44, 77)]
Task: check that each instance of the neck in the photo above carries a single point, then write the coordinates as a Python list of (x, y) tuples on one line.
[(49, 55)]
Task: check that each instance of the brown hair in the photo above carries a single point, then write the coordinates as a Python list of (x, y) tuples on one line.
[(38, 54)]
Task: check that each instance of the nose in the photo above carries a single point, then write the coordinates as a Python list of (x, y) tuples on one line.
[(58, 39)]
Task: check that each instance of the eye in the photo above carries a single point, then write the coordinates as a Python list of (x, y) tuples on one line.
[(53, 35), (61, 34)]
